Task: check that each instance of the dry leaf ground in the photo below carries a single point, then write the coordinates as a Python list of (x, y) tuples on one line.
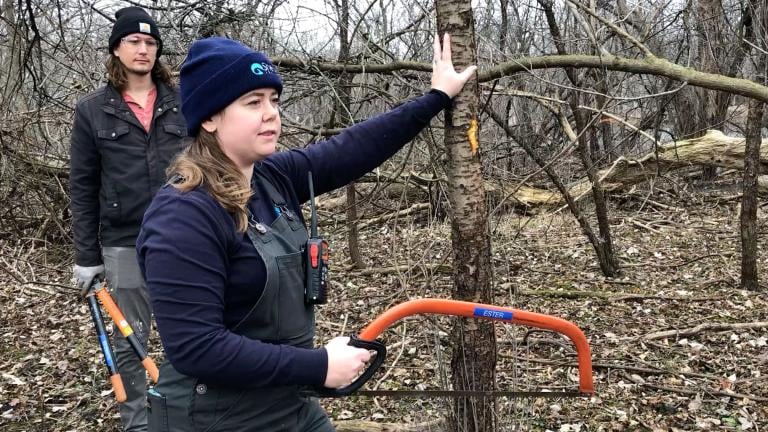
[(679, 270)]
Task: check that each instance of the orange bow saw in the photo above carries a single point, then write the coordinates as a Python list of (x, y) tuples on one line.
[(367, 339)]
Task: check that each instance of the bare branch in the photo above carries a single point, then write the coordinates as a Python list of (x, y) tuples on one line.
[(705, 327), (615, 28)]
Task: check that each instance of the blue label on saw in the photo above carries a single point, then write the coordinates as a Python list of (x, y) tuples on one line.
[(493, 314)]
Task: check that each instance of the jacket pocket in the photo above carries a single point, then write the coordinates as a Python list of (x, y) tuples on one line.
[(179, 131), (171, 141), (110, 203), (112, 134)]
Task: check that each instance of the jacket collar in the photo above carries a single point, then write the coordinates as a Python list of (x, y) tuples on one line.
[(114, 102)]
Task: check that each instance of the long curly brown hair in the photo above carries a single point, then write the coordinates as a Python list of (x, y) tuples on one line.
[(205, 163), (118, 76)]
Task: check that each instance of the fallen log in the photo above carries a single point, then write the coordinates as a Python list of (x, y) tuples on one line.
[(713, 149)]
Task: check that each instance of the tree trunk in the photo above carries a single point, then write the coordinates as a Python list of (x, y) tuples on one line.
[(353, 237), (602, 244), (10, 74), (342, 113), (473, 363), (749, 280), (504, 26), (749, 229), (710, 51)]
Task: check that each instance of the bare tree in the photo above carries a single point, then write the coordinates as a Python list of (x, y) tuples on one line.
[(342, 112), (749, 231), (473, 363), (11, 57), (586, 147)]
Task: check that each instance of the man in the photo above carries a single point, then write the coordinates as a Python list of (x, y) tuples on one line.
[(124, 136)]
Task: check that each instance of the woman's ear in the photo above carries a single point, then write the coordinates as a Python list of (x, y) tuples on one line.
[(209, 125)]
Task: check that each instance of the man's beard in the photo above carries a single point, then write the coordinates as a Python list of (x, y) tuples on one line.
[(139, 72)]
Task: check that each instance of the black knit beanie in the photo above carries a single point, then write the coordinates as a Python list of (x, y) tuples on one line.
[(134, 19)]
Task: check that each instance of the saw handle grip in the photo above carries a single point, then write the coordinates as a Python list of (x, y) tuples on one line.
[(378, 360)]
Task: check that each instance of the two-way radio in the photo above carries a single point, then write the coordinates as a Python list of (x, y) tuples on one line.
[(315, 258)]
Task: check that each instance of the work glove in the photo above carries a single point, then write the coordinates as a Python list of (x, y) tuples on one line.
[(84, 276)]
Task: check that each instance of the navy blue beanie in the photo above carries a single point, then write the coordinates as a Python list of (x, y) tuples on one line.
[(216, 72)]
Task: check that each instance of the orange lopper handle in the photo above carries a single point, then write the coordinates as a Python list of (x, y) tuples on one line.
[(484, 311), (117, 316), (106, 349), (151, 368), (117, 386), (114, 312)]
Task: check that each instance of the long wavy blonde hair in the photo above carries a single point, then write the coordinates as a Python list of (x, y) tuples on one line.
[(205, 163)]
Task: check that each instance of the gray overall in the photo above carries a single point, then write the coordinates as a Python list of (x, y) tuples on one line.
[(183, 403)]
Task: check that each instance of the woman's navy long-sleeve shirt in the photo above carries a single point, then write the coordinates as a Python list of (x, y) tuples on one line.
[(204, 276)]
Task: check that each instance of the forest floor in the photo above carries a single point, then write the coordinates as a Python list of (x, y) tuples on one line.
[(679, 272)]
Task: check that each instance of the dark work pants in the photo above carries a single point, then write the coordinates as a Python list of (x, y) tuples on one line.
[(179, 403), (127, 286)]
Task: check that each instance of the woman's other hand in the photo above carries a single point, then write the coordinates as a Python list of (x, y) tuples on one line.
[(444, 76), (345, 362)]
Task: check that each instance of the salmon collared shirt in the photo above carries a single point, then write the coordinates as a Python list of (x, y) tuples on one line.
[(143, 114)]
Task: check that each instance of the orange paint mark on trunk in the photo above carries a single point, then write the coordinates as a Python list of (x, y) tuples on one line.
[(472, 136)]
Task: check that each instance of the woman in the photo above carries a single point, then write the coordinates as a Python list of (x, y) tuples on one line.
[(221, 244)]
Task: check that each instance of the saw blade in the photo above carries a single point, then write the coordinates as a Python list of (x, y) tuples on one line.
[(468, 393)]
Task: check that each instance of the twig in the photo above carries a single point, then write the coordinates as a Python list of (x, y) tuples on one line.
[(40, 289), (7, 268), (405, 212), (394, 362), (612, 297), (615, 28), (634, 297), (702, 328), (441, 268), (369, 426), (695, 392), (644, 226), (36, 263), (691, 261), (653, 203), (609, 366)]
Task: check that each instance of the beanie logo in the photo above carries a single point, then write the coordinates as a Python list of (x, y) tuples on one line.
[(257, 69), (262, 68), (144, 28)]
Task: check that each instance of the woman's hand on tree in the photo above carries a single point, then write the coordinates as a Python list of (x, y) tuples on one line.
[(444, 76)]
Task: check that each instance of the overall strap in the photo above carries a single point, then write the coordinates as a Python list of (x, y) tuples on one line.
[(279, 203)]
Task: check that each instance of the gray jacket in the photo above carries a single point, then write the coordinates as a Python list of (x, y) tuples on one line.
[(116, 167)]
